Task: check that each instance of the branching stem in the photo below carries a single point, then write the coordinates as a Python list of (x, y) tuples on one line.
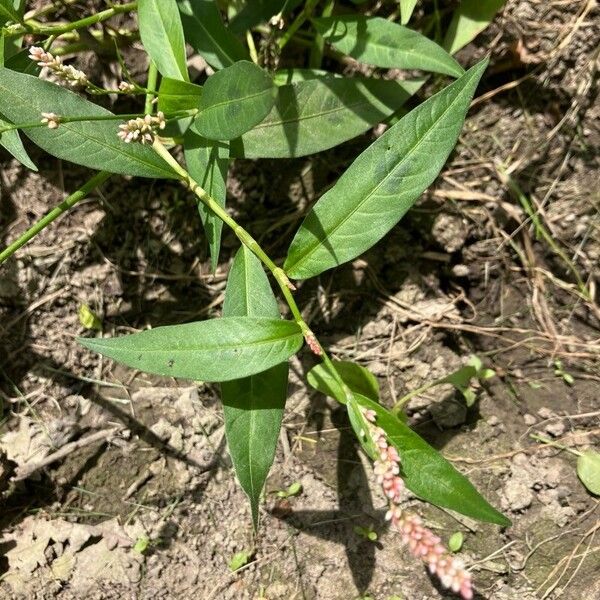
[(247, 240)]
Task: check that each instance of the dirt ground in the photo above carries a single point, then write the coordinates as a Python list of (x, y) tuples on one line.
[(144, 503)]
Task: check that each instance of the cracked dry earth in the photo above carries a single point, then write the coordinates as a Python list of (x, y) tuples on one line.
[(149, 507)]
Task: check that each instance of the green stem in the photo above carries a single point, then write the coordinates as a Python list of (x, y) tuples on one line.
[(399, 405), (305, 14), (64, 206), (316, 53), (179, 114), (247, 240), (545, 440), (31, 26), (151, 86)]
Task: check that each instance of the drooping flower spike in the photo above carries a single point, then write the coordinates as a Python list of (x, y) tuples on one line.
[(421, 542)]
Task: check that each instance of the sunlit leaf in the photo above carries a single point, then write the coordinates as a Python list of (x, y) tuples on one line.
[(319, 113), (468, 21), (428, 474), (205, 32), (406, 10), (588, 470), (382, 43), (162, 35), (357, 378), (382, 183), (212, 350)]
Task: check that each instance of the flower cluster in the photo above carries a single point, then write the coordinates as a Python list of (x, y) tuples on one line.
[(312, 343), (126, 87), (142, 129), (74, 77), (421, 542)]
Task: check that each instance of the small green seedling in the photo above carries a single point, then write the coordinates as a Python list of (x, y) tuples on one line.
[(240, 559), (560, 372), (89, 319), (366, 532), (295, 489)]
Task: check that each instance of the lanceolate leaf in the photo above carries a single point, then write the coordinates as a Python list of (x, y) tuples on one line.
[(382, 43), (469, 19), (162, 35), (94, 144), (205, 32), (320, 113), (406, 10), (357, 378), (12, 142), (428, 474), (235, 100), (252, 406), (213, 350), (382, 183), (207, 163)]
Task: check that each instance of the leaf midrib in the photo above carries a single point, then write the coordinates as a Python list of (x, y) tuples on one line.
[(207, 348), (234, 101), (265, 125), (374, 190)]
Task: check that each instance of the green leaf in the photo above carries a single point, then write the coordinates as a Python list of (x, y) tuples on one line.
[(205, 32), (468, 21), (428, 474), (252, 406), (162, 35), (88, 318), (92, 144), (235, 100), (289, 76), (382, 43), (207, 163), (293, 489), (317, 114), (11, 141), (456, 541), (213, 350), (8, 12), (240, 559), (382, 183), (588, 470), (406, 10), (175, 95), (357, 378)]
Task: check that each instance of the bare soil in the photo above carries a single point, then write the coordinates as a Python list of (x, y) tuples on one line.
[(152, 509)]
